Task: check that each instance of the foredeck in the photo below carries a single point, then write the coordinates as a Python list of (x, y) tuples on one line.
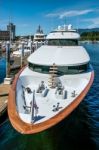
[(47, 117)]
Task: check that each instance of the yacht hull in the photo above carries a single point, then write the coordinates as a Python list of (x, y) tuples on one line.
[(26, 128)]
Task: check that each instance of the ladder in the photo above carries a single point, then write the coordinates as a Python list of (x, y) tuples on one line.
[(53, 74)]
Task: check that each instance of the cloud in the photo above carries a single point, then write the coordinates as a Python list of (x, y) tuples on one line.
[(75, 13), (53, 15), (94, 22), (71, 13)]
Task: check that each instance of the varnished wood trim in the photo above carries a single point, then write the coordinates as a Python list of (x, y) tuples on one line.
[(26, 128)]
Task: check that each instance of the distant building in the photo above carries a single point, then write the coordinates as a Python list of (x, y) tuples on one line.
[(11, 28), (10, 32), (4, 35)]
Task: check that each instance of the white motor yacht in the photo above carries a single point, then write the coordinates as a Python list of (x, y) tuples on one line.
[(39, 37), (57, 78)]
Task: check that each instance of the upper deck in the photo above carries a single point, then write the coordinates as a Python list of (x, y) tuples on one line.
[(63, 32)]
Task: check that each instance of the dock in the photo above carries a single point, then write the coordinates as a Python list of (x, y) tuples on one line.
[(13, 66), (4, 92), (4, 88)]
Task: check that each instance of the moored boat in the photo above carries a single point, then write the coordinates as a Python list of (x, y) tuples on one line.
[(57, 78)]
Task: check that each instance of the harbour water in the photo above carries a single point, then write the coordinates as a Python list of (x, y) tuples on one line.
[(79, 131), (2, 68)]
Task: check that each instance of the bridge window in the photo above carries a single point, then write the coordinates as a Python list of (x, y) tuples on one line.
[(62, 42), (62, 70)]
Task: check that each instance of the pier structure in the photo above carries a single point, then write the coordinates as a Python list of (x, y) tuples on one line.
[(4, 92), (7, 80)]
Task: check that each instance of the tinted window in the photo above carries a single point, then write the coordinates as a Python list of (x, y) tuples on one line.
[(63, 42), (61, 69)]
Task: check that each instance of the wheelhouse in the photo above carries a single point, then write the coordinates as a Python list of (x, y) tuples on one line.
[(63, 42), (62, 70)]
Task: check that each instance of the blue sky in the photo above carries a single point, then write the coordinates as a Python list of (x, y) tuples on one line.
[(28, 14)]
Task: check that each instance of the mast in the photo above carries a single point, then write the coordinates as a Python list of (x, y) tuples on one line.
[(22, 54), (7, 80), (7, 59), (8, 46)]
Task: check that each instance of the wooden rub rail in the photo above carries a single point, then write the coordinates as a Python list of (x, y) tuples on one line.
[(26, 128)]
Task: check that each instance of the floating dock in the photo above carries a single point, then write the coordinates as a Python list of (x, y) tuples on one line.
[(4, 88), (4, 92)]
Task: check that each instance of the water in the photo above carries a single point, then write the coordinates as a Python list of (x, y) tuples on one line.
[(79, 131), (2, 69)]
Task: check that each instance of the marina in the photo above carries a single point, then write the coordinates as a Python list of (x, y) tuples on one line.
[(49, 75), (4, 86), (46, 92), (81, 126), (16, 54), (16, 64)]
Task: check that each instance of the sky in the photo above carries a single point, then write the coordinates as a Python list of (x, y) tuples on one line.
[(28, 14)]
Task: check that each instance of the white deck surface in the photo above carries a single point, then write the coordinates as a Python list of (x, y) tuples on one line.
[(32, 80)]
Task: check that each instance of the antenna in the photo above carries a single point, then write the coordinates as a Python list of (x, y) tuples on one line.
[(10, 20)]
